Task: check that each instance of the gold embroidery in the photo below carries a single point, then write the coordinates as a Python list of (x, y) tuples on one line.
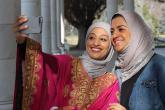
[(80, 85), (31, 69), (86, 90)]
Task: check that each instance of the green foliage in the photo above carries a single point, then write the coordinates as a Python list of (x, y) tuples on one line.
[(151, 19)]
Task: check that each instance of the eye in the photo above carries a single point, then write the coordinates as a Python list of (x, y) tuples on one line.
[(121, 29), (91, 37), (112, 32), (104, 38)]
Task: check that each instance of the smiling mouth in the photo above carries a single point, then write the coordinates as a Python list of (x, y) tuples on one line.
[(96, 49), (117, 42)]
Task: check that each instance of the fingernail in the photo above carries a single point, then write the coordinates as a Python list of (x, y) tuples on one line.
[(26, 26)]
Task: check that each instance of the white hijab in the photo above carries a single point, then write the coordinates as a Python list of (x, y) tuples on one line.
[(140, 49), (97, 68)]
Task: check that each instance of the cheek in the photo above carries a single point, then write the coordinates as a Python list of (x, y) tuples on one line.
[(87, 49), (128, 38), (112, 42), (87, 45), (106, 47), (127, 41)]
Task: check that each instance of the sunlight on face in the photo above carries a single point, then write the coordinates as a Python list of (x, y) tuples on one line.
[(120, 34), (98, 44)]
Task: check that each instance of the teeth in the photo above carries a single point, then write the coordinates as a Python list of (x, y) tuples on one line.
[(95, 49), (117, 42)]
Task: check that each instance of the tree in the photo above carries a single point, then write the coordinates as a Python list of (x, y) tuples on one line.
[(81, 13), (161, 1)]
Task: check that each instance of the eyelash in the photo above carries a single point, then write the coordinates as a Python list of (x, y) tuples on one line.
[(102, 39), (90, 37), (111, 32), (120, 30)]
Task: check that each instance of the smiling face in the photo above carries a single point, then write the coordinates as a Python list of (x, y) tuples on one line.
[(98, 43), (120, 34)]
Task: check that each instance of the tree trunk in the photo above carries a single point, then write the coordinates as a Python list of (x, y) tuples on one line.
[(81, 39)]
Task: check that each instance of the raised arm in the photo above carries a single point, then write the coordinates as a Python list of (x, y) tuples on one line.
[(31, 72)]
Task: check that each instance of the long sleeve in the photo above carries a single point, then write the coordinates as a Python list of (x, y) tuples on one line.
[(36, 88), (161, 78), (19, 77)]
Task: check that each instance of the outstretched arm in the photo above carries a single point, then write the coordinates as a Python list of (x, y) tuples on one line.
[(31, 79)]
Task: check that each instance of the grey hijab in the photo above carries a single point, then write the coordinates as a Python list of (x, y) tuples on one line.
[(140, 49), (93, 67)]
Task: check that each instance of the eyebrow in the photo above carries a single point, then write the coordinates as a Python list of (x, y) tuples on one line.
[(91, 33), (101, 34), (121, 26)]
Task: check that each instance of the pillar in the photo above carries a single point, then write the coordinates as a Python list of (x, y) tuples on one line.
[(56, 26), (9, 10), (112, 8), (129, 5)]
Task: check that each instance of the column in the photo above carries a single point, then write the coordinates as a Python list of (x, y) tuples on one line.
[(7, 51), (31, 8), (46, 28), (54, 22), (60, 28), (129, 5), (56, 29), (112, 8)]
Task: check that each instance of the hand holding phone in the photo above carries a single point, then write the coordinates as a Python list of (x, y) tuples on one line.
[(34, 25)]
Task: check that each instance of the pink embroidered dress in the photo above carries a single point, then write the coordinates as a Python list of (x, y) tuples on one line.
[(44, 81)]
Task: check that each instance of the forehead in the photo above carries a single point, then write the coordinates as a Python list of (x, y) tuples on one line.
[(99, 30), (118, 21)]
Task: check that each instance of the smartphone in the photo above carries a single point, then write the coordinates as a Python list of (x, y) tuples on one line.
[(35, 25)]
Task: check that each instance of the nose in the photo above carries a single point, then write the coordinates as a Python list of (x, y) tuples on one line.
[(96, 42), (115, 34)]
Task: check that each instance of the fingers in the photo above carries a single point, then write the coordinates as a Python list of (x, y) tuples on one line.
[(21, 20), (18, 26), (116, 106)]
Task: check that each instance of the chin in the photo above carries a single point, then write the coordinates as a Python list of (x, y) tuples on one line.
[(94, 57), (118, 49), (98, 58)]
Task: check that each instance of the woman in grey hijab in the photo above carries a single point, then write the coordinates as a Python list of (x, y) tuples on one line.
[(141, 71), (75, 83), (95, 67)]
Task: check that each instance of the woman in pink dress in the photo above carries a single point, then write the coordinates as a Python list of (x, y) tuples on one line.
[(45, 81)]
